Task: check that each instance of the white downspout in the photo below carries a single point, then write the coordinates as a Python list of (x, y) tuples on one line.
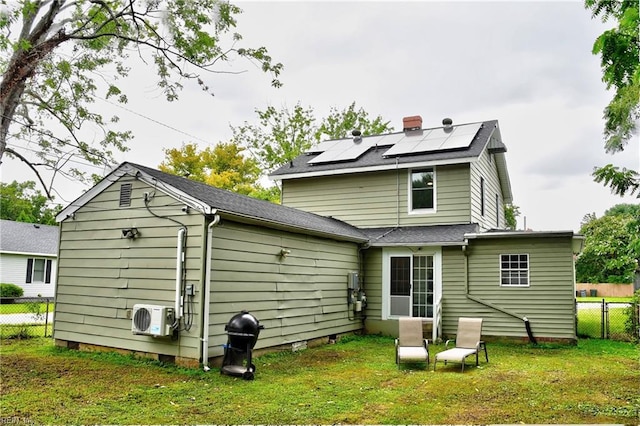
[(207, 294), (179, 267)]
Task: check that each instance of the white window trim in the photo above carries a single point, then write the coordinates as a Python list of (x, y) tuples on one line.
[(410, 209), (528, 271), (389, 252)]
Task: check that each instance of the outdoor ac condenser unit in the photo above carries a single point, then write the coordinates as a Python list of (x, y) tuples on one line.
[(151, 320)]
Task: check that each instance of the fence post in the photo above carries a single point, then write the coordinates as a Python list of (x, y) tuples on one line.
[(607, 333), (602, 324), (46, 319)]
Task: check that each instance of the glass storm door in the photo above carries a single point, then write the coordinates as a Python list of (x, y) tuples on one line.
[(411, 286)]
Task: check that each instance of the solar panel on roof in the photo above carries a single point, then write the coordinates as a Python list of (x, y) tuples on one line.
[(435, 140), (350, 149)]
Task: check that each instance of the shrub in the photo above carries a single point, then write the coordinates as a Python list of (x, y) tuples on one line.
[(632, 323), (10, 290)]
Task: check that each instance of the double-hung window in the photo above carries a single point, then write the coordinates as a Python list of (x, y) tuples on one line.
[(38, 271), (422, 190), (514, 270)]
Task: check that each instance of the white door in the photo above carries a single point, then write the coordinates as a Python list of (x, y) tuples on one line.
[(411, 285)]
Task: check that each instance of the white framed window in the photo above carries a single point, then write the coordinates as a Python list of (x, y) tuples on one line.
[(514, 270), (422, 190), (411, 281), (38, 270)]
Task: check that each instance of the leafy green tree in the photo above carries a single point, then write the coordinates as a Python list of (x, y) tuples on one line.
[(612, 247), (223, 166), (340, 123), (21, 202), (58, 56), (511, 213), (619, 50), (282, 135)]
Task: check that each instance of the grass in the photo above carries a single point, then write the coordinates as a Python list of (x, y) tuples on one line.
[(353, 381), (25, 308), (607, 299)]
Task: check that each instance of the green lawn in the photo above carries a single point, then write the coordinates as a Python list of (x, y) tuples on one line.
[(353, 381), (23, 308), (607, 299)]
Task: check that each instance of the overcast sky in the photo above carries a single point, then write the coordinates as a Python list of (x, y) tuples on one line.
[(527, 64)]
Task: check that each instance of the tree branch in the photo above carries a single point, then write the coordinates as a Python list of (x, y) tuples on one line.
[(32, 167)]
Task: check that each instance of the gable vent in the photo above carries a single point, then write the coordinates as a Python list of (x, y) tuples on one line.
[(125, 194)]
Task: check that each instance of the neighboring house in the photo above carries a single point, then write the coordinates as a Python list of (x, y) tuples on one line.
[(372, 228), (28, 256)]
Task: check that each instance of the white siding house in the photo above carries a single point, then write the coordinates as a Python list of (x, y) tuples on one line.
[(28, 255)]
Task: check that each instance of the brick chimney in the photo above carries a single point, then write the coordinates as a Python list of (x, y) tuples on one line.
[(412, 123)]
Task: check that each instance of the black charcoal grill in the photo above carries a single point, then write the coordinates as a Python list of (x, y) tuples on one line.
[(242, 334)]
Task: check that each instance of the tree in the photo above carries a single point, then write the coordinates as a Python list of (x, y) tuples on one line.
[(612, 246), (339, 124), (282, 135), (511, 213), (58, 57), (21, 202), (222, 166), (619, 50)]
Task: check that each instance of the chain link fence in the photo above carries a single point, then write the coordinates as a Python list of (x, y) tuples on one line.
[(608, 320), (22, 317)]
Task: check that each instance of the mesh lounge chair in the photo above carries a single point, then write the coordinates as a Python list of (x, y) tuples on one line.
[(467, 343), (410, 345)]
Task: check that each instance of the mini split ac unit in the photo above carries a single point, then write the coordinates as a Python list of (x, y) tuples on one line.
[(151, 320)]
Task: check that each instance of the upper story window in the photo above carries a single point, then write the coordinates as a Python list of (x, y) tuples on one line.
[(422, 189), (514, 270)]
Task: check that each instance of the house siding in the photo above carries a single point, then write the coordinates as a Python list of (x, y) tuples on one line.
[(380, 199), (485, 167), (13, 269), (299, 297), (101, 275), (548, 302)]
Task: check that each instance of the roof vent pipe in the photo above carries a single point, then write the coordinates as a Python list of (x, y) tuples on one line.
[(448, 124), (357, 135)]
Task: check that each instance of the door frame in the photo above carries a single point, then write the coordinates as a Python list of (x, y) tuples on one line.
[(388, 253)]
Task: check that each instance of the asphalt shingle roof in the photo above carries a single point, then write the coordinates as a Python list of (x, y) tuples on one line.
[(374, 156), (28, 238), (230, 202), (412, 235)]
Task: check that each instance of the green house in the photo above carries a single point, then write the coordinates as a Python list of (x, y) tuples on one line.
[(370, 229)]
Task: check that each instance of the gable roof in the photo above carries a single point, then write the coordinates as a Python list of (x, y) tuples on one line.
[(211, 200), (28, 238), (374, 159)]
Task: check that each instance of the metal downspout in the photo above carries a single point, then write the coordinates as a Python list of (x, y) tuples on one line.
[(179, 274), (206, 289), (488, 304)]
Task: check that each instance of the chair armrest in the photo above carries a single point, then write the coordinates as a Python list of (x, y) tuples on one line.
[(397, 342), (446, 344), (426, 344)]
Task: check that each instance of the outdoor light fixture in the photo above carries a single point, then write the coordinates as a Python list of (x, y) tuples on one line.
[(284, 252), (130, 233)]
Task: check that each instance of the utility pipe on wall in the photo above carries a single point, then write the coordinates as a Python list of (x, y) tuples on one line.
[(206, 288), (179, 269), (527, 325)]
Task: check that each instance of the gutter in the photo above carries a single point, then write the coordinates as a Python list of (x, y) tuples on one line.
[(489, 304), (206, 289)]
